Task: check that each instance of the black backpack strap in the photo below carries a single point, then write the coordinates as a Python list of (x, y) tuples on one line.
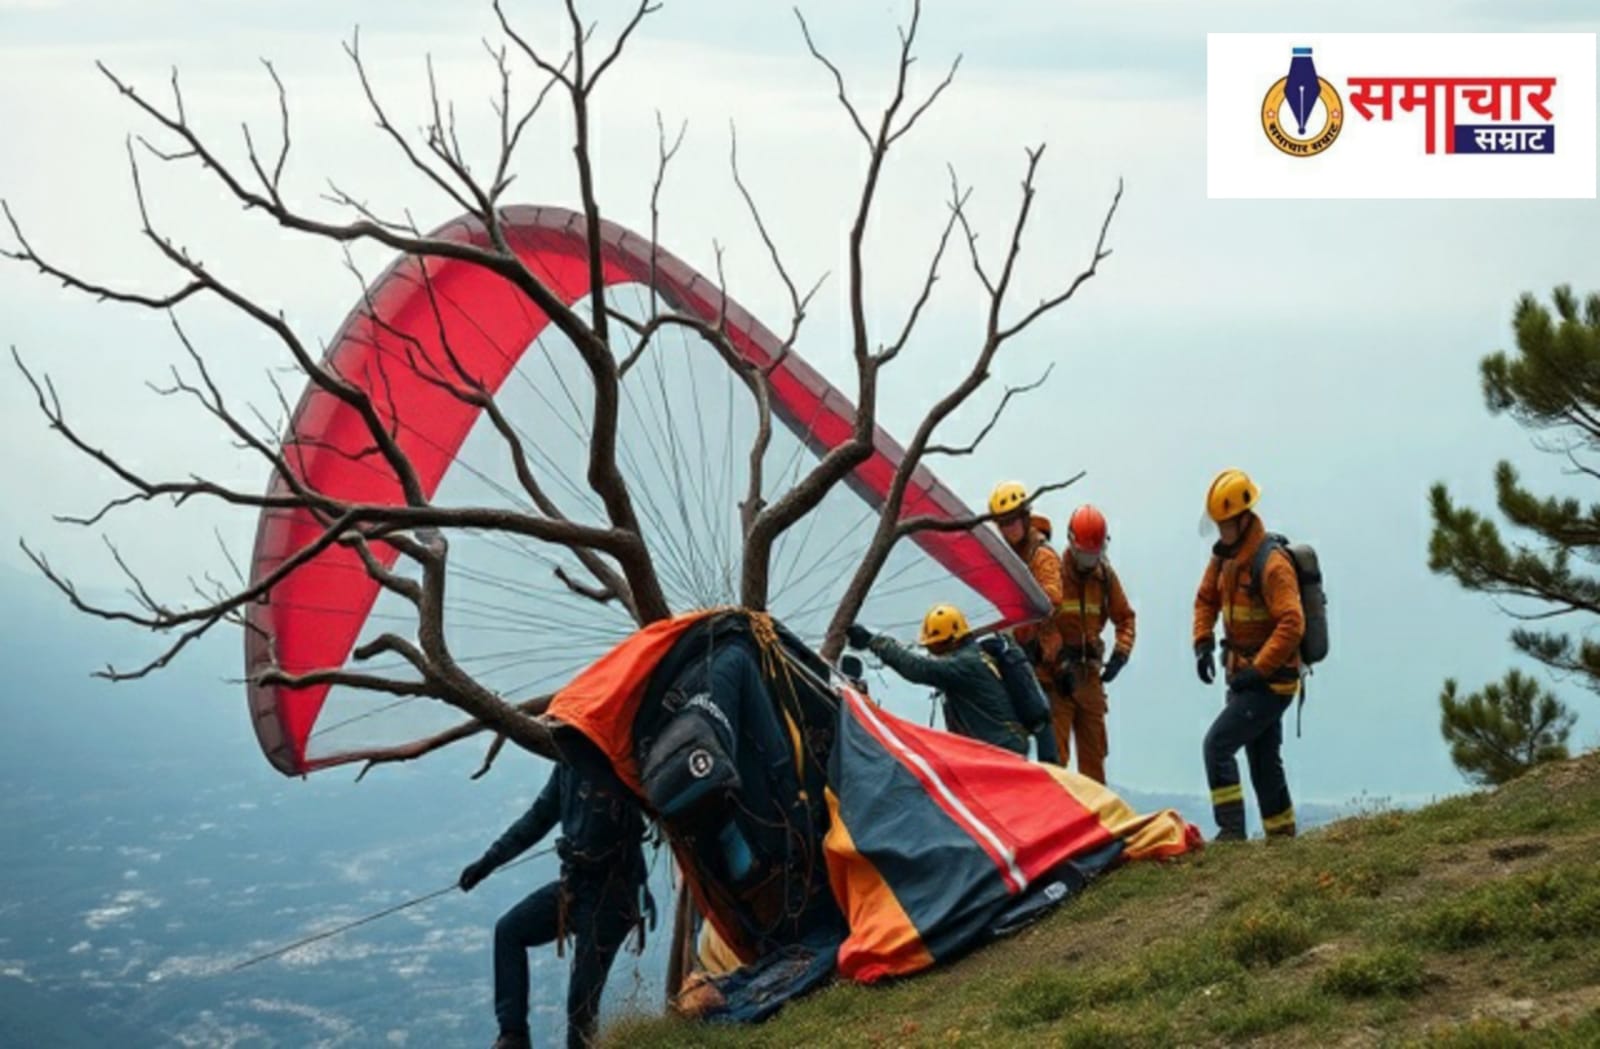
[(1258, 564)]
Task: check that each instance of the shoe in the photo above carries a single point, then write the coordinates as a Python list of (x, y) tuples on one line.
[(1227, 836), (512, 1040)]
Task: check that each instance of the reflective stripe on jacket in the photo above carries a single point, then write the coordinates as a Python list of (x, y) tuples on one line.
[(1262, 631), (1089, 601)]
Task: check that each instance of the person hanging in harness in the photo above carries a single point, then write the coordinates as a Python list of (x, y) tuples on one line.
[(1092, 596), (598, 900), (1028, 535), (976, 702), (1263, 623)]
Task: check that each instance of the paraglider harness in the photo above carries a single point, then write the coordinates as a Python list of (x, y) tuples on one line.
[(763, 863), (584, 865)]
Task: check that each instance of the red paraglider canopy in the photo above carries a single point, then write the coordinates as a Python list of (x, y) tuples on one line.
[(312, 618)]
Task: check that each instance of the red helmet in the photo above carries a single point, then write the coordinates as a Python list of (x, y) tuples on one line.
[(1086, 531)]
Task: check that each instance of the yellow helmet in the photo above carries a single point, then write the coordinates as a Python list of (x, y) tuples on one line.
[(1007, 497), (1231, 494), (943, 623)]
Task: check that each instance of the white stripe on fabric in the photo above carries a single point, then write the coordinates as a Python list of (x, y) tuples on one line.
[(1013, 872)]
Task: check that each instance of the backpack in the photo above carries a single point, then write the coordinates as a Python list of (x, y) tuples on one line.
[(1022, 686), (1313, 599)]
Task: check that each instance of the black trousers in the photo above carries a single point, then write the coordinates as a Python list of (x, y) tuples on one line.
[(598, 919), (1251, 720)]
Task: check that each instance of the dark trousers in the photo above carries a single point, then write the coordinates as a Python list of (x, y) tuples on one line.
[(1252, 720), (598, 919)]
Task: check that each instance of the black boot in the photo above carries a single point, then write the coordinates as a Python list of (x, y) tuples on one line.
[(512, 1040), (1228, 835)]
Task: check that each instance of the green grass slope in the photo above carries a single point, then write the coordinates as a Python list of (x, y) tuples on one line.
[(1473, 922)]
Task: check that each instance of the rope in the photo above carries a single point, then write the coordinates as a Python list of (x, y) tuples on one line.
[(397, 908)]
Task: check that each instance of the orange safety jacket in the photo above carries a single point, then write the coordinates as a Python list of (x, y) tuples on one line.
[(1089, 600), (1046, 568), (1260, 631)]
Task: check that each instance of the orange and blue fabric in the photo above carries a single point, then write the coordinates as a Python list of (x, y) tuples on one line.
[(935, 837)]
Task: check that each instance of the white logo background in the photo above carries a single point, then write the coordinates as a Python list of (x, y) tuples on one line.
[(1387, 159)]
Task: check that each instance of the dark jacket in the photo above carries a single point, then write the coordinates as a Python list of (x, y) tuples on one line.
[(601, 828), (976, 703)]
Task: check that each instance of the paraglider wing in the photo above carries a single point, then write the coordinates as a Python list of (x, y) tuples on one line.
[(417, 326)]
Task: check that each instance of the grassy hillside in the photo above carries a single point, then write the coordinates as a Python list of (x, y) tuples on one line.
[(1473, 922)]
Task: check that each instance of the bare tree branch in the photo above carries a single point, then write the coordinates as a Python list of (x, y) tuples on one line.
[(600, 595), (25, 253), (1101, 253), (423, 747), (927, 103), (893, 351), (344, 678), (588, 339), (838, 77), (912, 525), (271, 183), (144, 490), (999, 410), (664, 157), (488, 758), (797, 303), (556, 73), (804, 497), (888, 531), (352, 50), (646, 7)]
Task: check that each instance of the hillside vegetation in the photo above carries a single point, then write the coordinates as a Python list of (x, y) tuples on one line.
[(1472, 922)]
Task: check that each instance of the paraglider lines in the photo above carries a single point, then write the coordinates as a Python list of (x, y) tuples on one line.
[(337, 930)]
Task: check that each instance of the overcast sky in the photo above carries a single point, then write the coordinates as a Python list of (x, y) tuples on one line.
[(1330, 348)]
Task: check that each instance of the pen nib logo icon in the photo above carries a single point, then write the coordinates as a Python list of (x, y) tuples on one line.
[(1302, 93), (1303, 87)]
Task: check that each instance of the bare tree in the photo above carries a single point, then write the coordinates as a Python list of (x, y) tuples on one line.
[(619, 564)]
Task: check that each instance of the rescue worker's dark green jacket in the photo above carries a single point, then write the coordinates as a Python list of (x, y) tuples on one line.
[(601, 828), (976, 703)]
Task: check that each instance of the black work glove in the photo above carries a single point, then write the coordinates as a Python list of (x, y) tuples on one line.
[(1065, 682), (474, 873), (1246, 679), (1204, 664), (1034, 650), (1113, 667), (857, 636)]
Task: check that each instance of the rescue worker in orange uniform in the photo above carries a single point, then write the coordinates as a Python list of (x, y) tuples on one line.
[(1092, 596), (1262, 624), (1029, 536)]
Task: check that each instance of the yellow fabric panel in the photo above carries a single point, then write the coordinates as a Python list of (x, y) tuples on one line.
[(1153, 835), (715, 956), (882, 938)]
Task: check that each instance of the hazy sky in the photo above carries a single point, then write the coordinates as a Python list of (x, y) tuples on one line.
[(1330, 348)]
